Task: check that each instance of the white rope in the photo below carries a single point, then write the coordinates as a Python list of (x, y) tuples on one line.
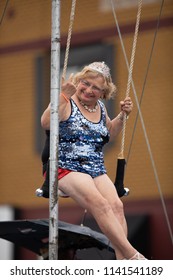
[(121, 155), (143, 125), (69, 38)]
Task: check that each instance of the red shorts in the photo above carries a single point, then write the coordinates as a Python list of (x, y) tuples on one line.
[(61, 173)]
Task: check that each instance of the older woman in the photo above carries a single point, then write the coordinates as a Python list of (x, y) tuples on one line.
[(84, 129)]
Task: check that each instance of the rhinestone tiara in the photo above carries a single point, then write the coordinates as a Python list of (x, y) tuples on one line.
[(100, 67)]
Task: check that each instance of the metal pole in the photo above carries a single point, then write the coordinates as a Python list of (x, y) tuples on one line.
[(54, 130)]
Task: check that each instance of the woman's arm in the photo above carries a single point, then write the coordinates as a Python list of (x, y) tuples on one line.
[(45, 118), (115, 125), (67, 90)]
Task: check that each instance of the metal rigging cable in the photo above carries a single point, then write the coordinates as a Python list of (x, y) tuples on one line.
[(139, 114), (3, 13)]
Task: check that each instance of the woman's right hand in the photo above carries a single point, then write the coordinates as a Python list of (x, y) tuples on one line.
[(67, 87)]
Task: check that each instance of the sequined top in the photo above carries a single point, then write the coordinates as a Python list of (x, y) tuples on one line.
[(81, 142)]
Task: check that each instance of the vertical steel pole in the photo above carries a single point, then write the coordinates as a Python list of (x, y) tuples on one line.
[(54, 130)]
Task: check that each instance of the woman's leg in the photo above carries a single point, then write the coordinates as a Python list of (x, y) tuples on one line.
[(108, 191), (83, 190)]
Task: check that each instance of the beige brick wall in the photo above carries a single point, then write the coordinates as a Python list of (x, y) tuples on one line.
[(26, 21)]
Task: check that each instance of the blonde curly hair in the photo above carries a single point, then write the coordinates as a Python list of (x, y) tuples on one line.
[(109, 89)]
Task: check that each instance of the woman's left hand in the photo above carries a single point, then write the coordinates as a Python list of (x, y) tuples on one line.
[(126, 105)]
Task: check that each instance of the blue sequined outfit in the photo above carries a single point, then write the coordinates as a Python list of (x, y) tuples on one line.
[(81, 142)]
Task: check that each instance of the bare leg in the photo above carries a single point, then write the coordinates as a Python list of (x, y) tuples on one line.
[(82, 188), (108, 191)]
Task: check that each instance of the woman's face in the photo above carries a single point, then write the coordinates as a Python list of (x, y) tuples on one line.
[(90, 89)]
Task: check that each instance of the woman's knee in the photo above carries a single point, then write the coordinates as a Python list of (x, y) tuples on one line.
[(118, 208), (99, 206)]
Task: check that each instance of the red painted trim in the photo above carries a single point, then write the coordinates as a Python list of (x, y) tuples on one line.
[(84, 38)]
